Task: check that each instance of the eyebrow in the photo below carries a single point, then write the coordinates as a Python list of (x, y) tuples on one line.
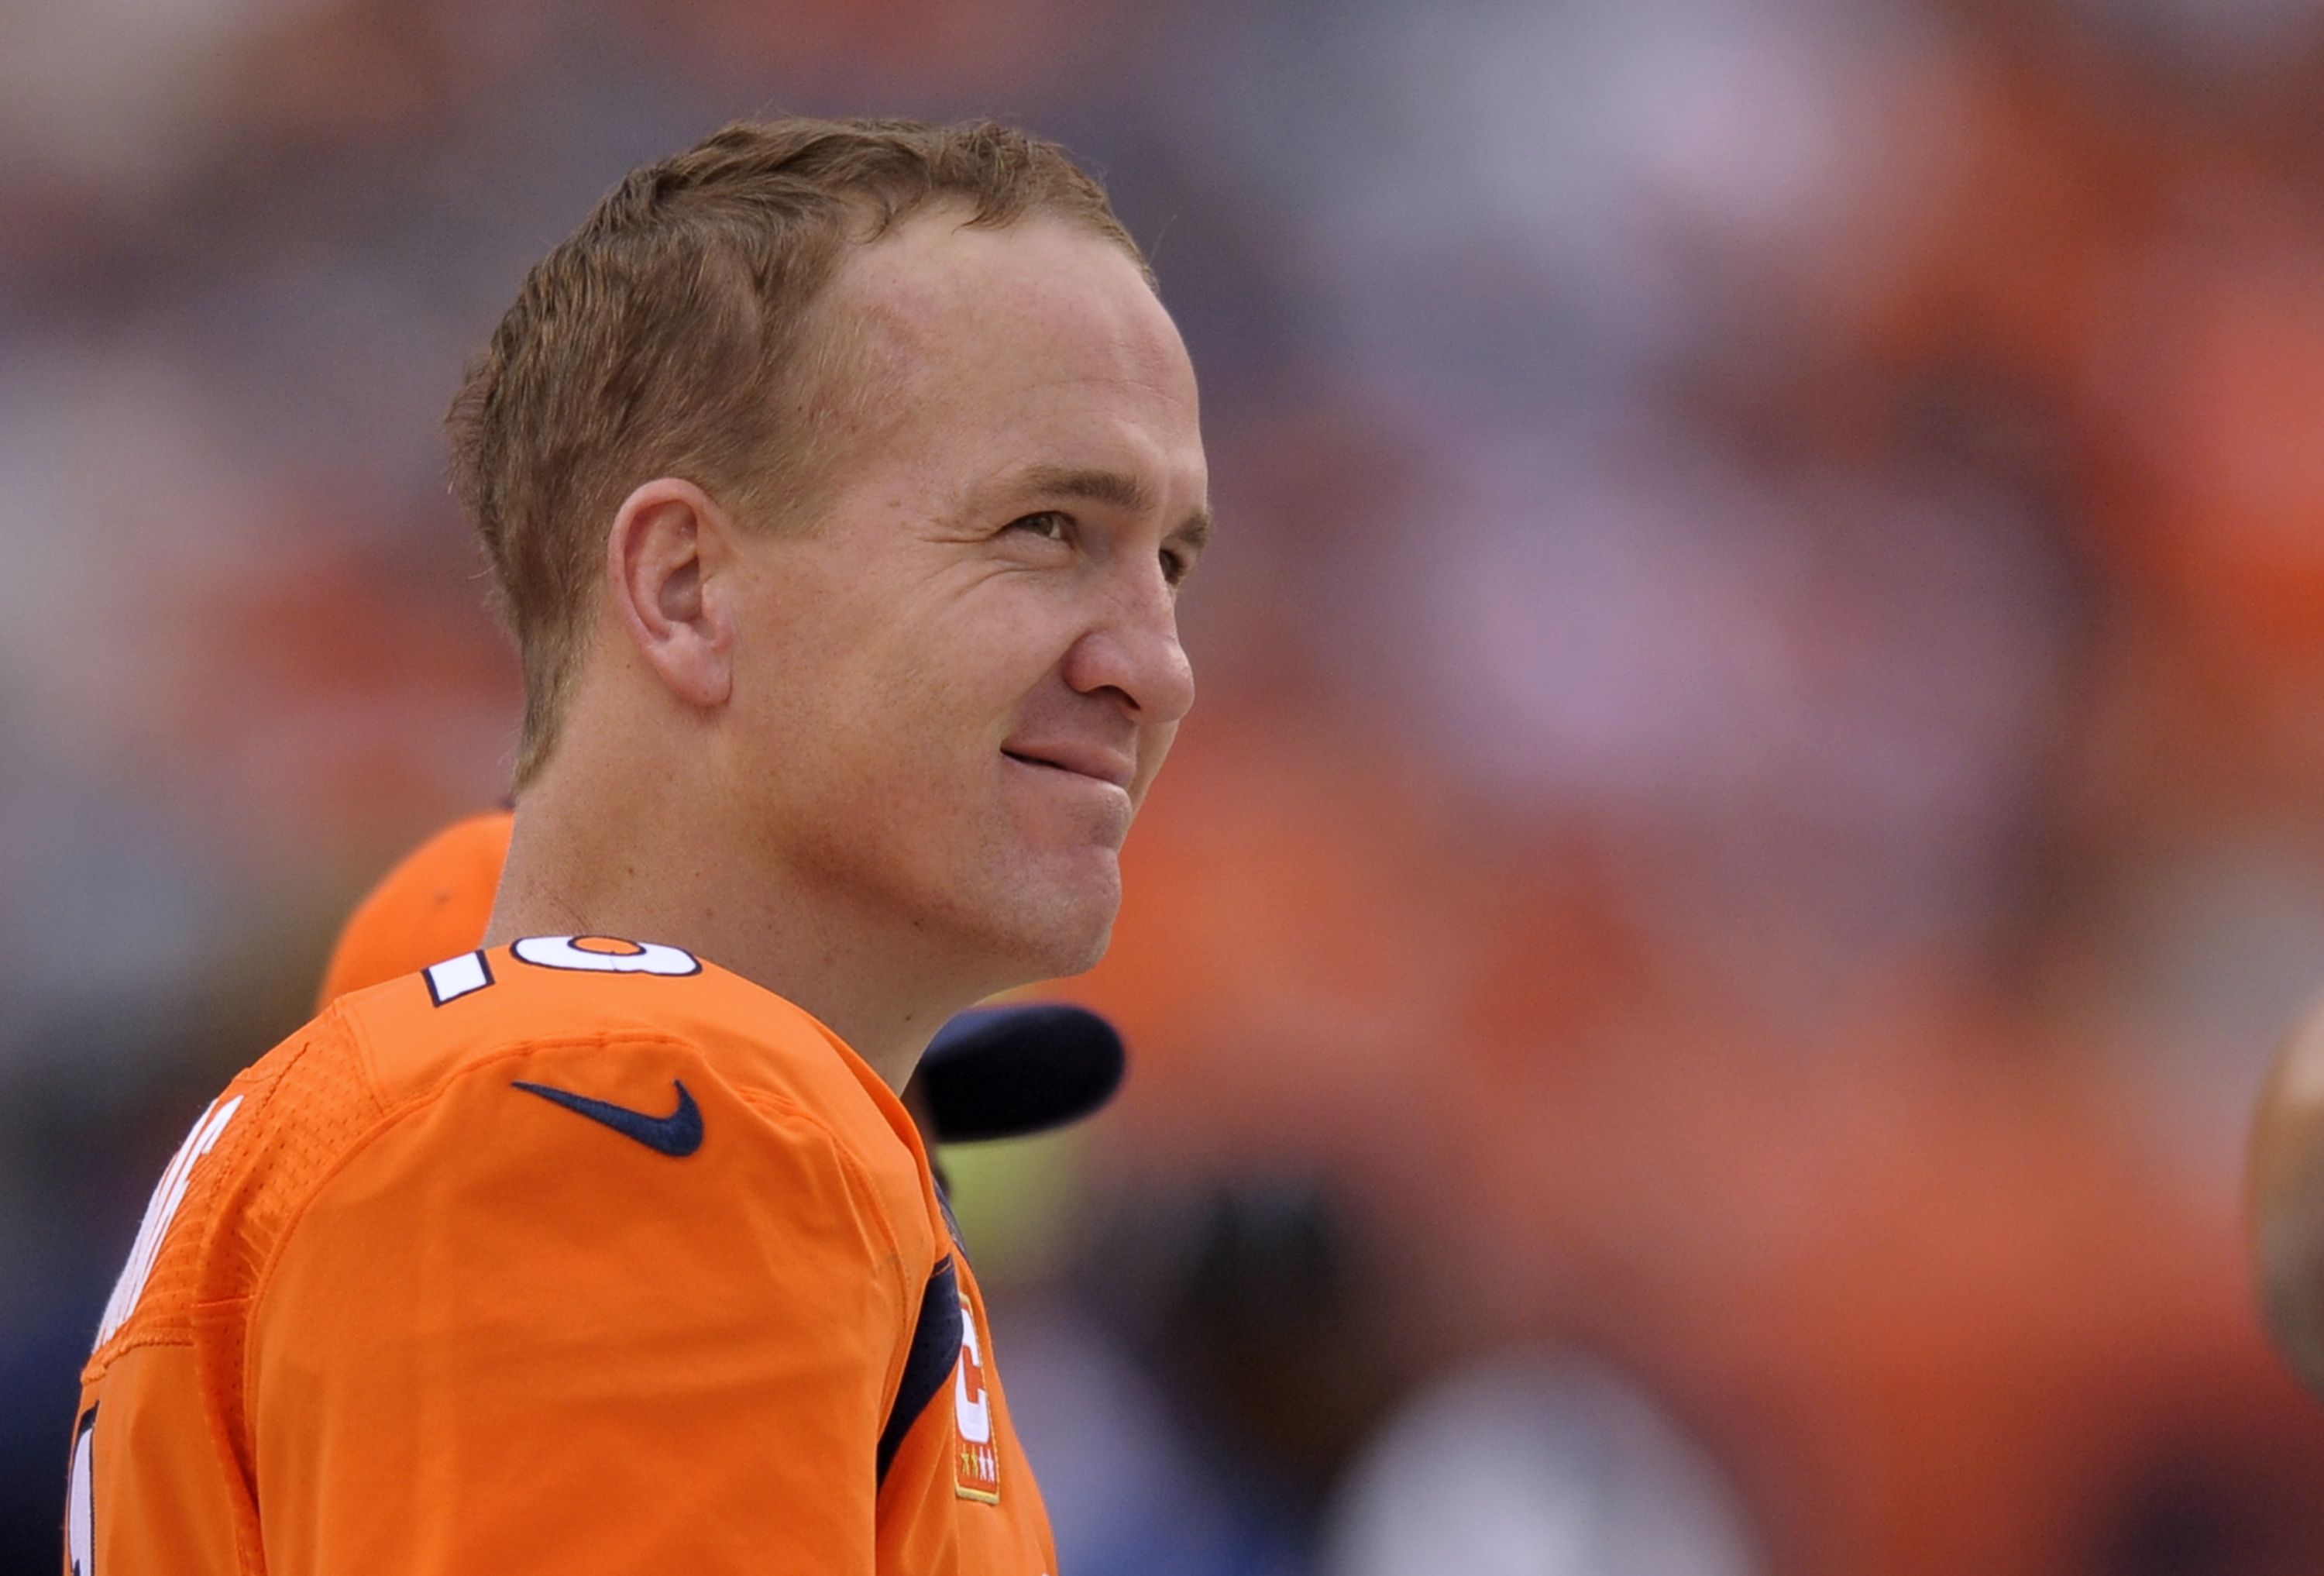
[(1118, 488)]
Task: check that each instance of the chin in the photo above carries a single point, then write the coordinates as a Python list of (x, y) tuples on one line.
[(1050, 929), (1081, 957)]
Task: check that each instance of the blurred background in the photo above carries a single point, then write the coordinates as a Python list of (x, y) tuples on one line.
[(1698, 976)]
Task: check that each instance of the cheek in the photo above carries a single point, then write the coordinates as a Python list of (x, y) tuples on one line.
[(922, 721), (969, 676)]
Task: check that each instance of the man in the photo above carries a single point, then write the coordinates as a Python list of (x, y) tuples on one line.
[(1002, 1072), (837, 480)]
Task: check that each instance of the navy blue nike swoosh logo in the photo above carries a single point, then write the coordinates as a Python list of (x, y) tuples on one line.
[(680, 1133)]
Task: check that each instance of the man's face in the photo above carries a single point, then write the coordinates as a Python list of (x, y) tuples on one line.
[(952, 691)]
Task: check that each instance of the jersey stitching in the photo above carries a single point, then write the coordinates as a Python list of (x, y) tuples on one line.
[(212, 1220), (124, 1345), (334, 1016), (858, 1182), (367, 1066), (243, 1498)]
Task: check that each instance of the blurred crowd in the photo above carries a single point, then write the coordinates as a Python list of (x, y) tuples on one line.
[(1696, 979)]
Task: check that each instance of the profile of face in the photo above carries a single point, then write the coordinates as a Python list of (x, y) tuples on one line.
[(953, 690)]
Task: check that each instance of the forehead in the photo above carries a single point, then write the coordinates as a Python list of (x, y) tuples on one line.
[(1035, 336)]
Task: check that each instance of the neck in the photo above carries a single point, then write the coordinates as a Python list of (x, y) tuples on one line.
[(580, 865)]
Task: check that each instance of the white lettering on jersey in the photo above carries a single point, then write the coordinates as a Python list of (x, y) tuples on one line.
[(80, 1504), (975, 1411), (618, 957), (455, 977), (160, 1211)]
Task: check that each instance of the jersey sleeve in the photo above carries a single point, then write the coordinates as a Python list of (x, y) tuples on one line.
[(521, 1333)]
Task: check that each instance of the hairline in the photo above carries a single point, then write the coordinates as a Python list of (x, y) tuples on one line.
[(846, 360)]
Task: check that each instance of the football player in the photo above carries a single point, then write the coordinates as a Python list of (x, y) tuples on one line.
[(837, 480)]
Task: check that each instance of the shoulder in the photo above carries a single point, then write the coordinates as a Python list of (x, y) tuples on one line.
[(556, 1041), (551, 1076), (550, 1174), (598, 1024), (594, 999), (580, 1152), (264, 1139)]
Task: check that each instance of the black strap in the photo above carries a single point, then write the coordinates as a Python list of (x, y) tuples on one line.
[(936, 1347)]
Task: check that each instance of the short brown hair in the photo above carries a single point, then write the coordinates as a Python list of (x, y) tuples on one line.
[(666, 337)]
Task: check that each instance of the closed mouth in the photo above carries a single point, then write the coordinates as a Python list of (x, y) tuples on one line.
[(1106, 772)]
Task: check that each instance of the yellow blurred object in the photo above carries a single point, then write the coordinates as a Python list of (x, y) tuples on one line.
[(2287, 1199)]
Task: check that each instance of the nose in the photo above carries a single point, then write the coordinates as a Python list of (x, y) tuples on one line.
[(1134, 652)]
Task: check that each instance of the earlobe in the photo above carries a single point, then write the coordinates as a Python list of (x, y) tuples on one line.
[(668, 539)]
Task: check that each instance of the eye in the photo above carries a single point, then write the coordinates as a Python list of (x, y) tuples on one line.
[(1049, 525), (1175, 566)]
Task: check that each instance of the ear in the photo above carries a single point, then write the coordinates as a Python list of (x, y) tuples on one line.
[(669, 543)]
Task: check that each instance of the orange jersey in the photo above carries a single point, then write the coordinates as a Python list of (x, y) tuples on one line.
[(563, 1256)]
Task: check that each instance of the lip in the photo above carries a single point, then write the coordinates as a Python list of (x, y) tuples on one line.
[(1090, 761)]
